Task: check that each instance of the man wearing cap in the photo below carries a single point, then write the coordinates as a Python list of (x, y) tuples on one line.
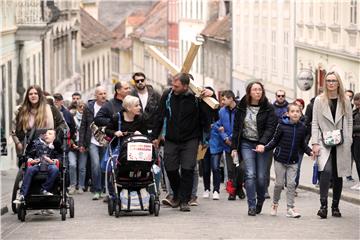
[(59, 104)]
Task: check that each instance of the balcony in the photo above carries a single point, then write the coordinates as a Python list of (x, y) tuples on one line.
[(29, 20)]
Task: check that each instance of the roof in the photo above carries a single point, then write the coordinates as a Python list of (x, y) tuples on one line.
[(218, 29), (92, 31), (154, 26), (134, 20)]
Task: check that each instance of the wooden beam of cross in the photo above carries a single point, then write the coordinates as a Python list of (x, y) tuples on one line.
[(163, 60)]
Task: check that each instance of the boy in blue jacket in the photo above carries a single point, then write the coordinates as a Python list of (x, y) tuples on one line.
[(289, 140)]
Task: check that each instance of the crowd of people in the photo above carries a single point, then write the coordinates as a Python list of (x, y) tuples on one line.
[(238, 138)]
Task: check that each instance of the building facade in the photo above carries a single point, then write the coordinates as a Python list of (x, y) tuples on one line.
[(263, 45), (327, 39)]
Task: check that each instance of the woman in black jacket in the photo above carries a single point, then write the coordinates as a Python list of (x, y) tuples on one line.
[(254, 125)]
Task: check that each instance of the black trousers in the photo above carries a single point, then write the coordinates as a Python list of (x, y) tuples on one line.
[(181, 156), (330, 172), (355, 149)]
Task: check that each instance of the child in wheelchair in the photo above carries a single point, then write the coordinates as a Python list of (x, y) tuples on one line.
[(41, 157)]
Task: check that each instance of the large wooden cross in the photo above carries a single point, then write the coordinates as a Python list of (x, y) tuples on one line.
[(163, 60)]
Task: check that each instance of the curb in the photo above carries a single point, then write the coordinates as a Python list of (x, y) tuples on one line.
[(344, 196), (4, 210)]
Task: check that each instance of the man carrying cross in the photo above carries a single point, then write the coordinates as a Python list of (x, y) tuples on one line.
[(183, 117)]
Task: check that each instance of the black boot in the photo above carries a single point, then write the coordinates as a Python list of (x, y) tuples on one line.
[(335, 212), (323, 209)]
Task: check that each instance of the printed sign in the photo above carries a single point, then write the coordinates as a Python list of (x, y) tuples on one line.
[(139, 152)]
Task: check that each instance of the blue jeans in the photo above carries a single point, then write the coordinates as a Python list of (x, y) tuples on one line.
[(81, 158), (255, 173), (53, 172), (212, 163), (96, 153)]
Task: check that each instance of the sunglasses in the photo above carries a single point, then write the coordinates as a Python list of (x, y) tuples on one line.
[(139, 80), (331, 81), (281, 96)]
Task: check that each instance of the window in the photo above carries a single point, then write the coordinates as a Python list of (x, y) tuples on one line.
[(93, 74), (34, 69), (352, 40), (103, 64), (108, 64), (321, 12), (311, 9), (40, 68), (3, 99), (353, 12), (286, 53), (336, 12), (27, 72), (273, 51), (321, 35), (9, 68), (89, 76), (335, 36), (98, 69), (311, 32), (84, 77)]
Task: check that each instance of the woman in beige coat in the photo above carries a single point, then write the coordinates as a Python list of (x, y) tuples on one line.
[(332, 110)]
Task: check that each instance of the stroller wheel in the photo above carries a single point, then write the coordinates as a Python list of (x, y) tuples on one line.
[(71, 207), (21, 212), (152, 204), (117, 208), (110, 206), (157, 208), (63, 213)]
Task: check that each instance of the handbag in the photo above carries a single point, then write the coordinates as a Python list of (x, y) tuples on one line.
[(99, 134), (334, 137), (315, 172)]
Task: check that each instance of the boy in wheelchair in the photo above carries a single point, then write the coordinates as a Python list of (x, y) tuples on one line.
[(42, 156)]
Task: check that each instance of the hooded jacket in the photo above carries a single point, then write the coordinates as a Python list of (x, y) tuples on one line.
[(289, 140)]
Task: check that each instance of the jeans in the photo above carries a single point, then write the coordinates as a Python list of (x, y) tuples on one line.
[(212, 163), (53, 172), (283, 171), (96, 153), (255, 173), (80, 159)]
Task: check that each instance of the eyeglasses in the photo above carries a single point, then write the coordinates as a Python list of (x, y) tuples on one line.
[(281, 96), (331, 81), (139, 80)]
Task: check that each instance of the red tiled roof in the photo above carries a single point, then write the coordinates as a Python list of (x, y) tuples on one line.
[(218, 29), (92, 31), (155, 24), (120, 41)]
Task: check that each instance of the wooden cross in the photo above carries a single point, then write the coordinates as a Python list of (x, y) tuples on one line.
[(163, 60)]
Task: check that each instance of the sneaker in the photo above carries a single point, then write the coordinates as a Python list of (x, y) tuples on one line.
[(356, 187), (252, 212), (350, 179), (291, 213), (206, 194), (231, 197), (240, 193), (216, 195), (46, 193), (167, 200), (259, 208), (19, 199), (193, 201), (72, 190), (174, 203), (81, 190), (274, 208), (267, 195), (96, 196), (296, 193), (184, 207)]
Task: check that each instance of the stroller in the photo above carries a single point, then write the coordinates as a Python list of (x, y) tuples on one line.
[(34, 200), (131, 185)]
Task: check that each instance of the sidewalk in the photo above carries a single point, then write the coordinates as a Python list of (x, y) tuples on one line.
[(348, 195), (7, 184)]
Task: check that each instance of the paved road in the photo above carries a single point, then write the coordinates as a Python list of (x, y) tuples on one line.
[(221, 219)]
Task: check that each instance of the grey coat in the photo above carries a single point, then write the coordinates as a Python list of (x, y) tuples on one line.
[(323, 119)]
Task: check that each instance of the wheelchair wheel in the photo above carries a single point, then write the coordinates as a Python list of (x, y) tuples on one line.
[(16, 189), (156, 208), (152, 204), (117, 207), (71, 207), (21, 212), (110, 206), (63, 213)]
